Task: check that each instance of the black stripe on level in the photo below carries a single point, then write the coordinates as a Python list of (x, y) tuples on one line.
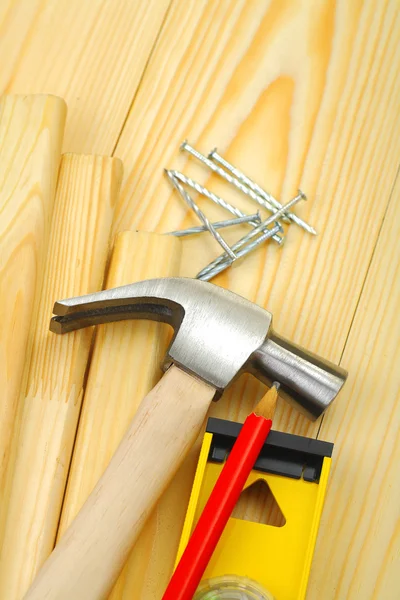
[(284, 454)]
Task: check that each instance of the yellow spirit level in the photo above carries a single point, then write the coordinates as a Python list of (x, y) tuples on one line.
[(296, 471)]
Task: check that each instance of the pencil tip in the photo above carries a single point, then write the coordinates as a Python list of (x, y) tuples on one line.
[(266, 407)]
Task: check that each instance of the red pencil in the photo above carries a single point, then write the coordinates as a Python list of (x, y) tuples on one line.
[(222, 500)]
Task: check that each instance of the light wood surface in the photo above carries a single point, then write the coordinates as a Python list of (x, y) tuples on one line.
[(31, 131), (90, 555), (258, 505), (92, 54), (319, 114), (358, 547), (295, 93), (86, 194), (125, 366)]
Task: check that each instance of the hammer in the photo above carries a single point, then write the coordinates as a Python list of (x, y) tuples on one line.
[(217, 336)]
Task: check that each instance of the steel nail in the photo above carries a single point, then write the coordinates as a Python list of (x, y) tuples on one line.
[(217, 158), (217, 225), (247, 238), (246, 250), (217, 199), (201, 215), (216, 169), (258, 190)]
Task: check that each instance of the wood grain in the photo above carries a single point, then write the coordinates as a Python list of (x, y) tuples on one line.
[(90, 53), (150, 565), (357, 554), (125, 366), (257, 504), (88, 558), (322, 117), (297, 94), (31, 130), (294, 93), (77, 254)]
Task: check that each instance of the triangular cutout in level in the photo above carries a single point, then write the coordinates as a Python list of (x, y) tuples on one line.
[(257, 504)]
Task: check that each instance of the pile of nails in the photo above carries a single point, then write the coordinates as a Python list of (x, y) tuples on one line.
[(261, 229)]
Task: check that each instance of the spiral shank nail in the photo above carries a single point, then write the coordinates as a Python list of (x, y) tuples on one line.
[(217, 199), (259, 229), (201, 216), (259, 190), (217, 225), (207, 193), (222, 266), (232, 180), (217, 158)]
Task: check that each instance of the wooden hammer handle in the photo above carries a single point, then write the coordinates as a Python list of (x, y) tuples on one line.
[(90, 555)]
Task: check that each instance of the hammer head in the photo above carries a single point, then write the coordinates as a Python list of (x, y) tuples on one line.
[(217, 335)]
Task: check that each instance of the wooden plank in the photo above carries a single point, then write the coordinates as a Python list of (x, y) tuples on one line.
[(125, 366), (90, 555), (90, 53), (132, 350), (296, 94), (16, 21), (51, 402), (293, 92), (319, 113), (31, 130), (357, 554)]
